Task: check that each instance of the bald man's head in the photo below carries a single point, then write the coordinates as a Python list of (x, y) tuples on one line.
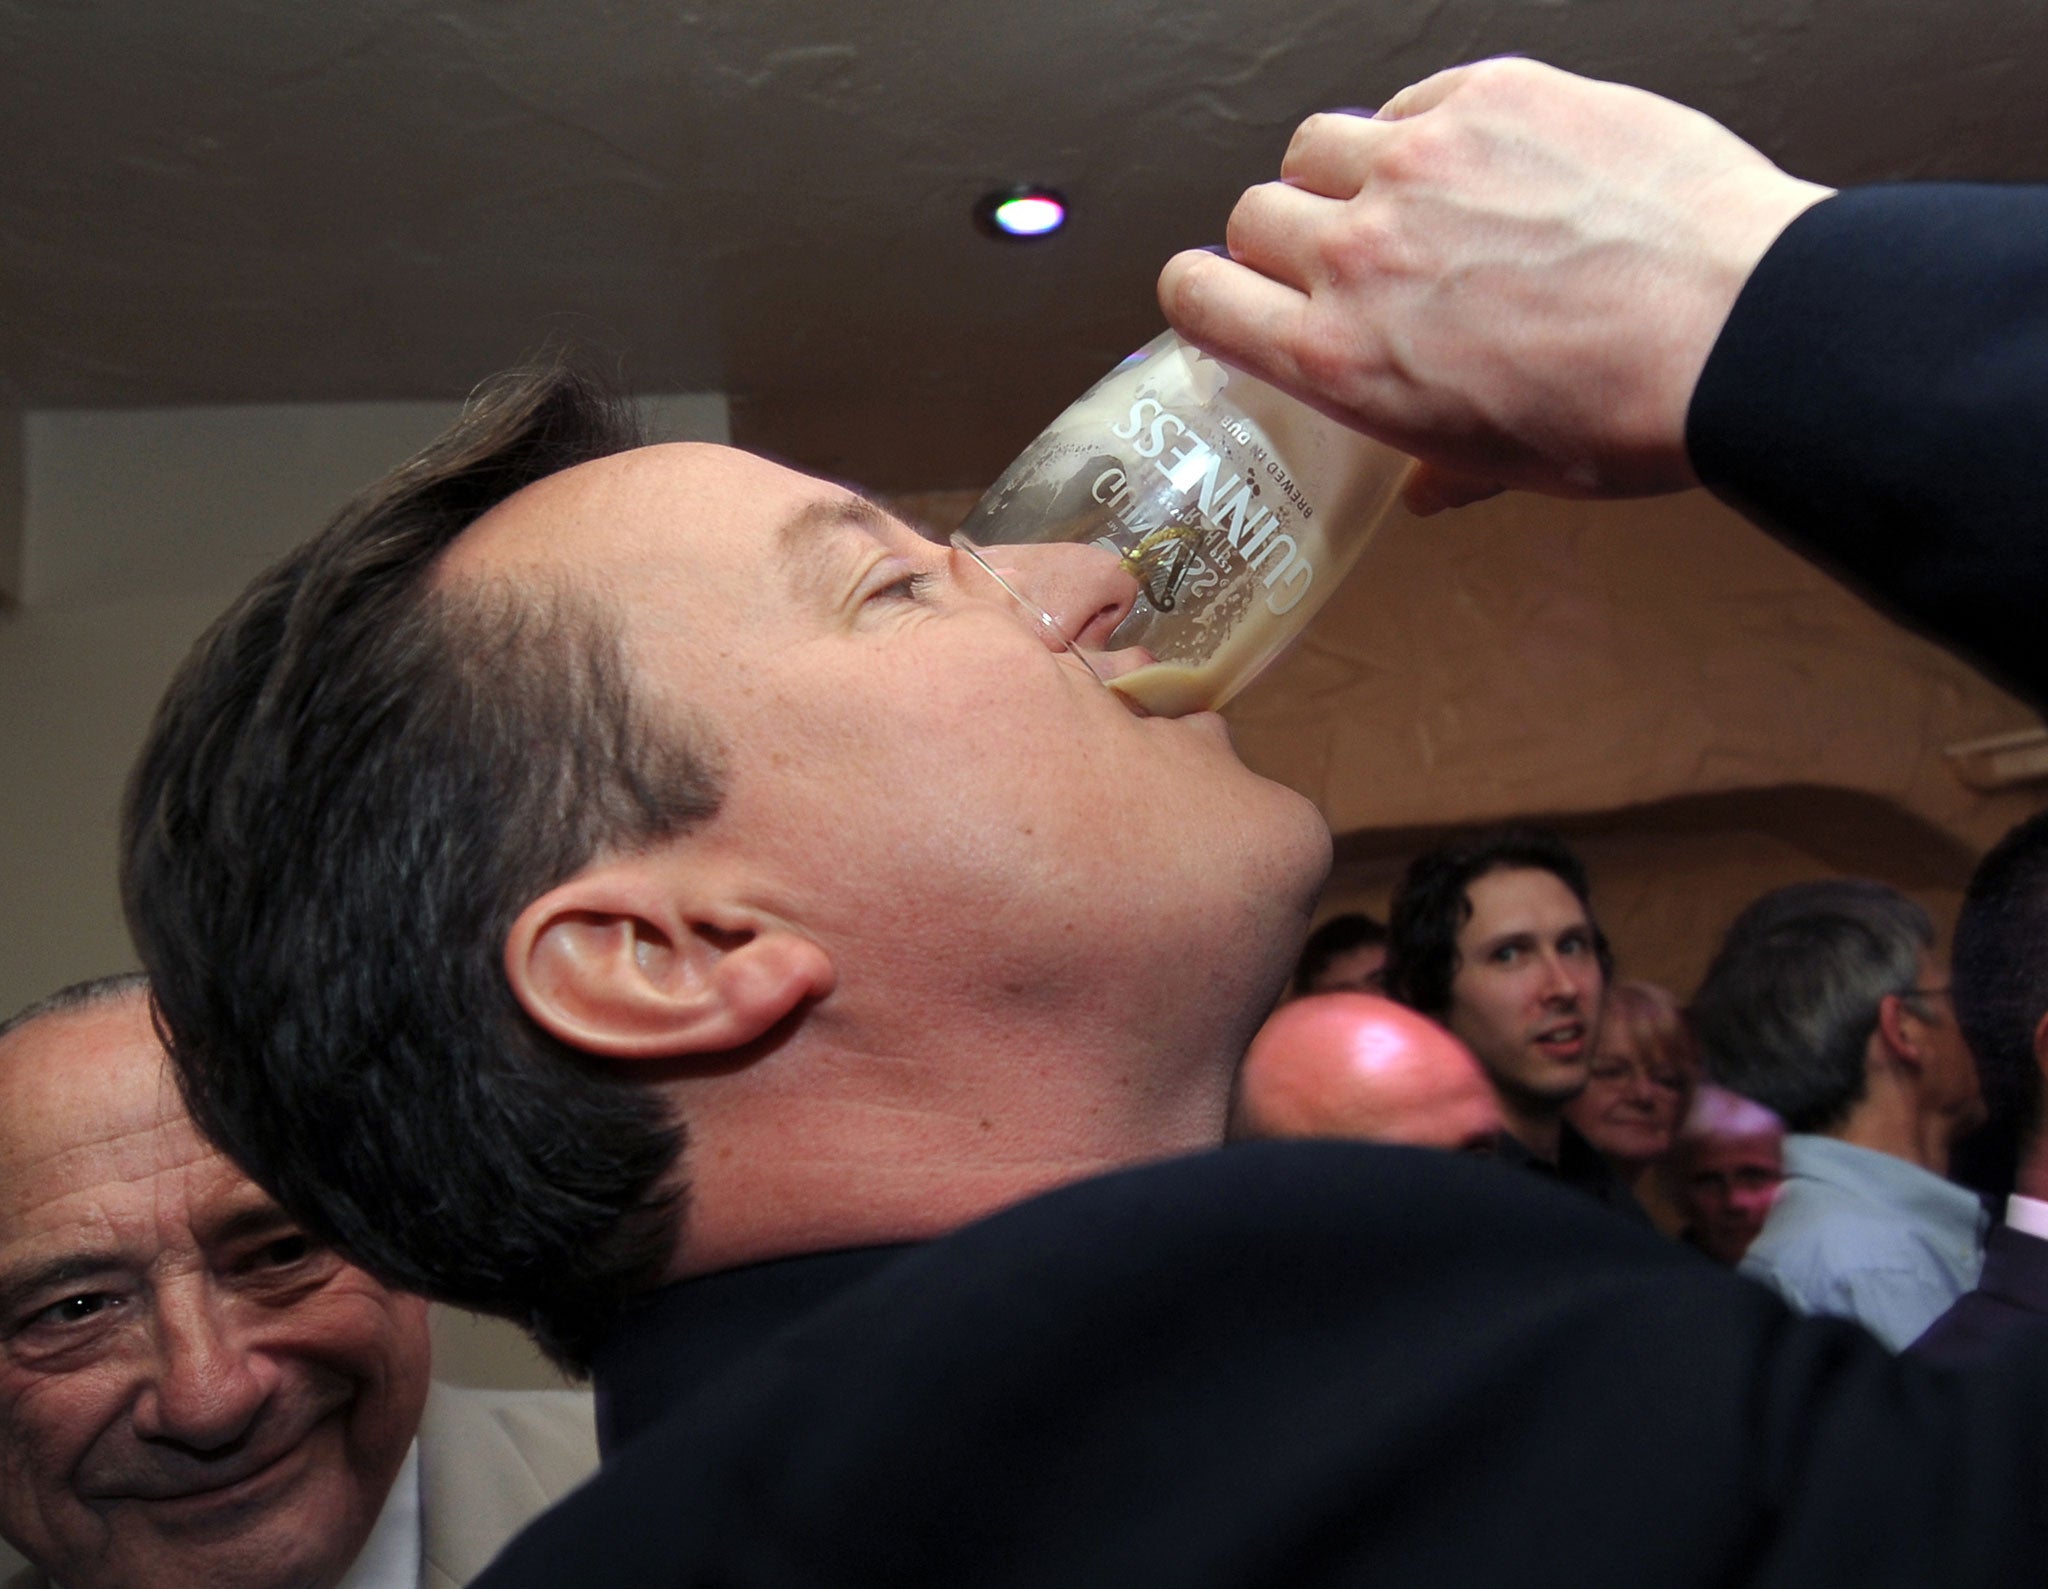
[(1358, 1066), (1725, 1170)]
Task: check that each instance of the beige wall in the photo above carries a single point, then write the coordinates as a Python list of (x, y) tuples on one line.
[(1705, 715), (138, 527)]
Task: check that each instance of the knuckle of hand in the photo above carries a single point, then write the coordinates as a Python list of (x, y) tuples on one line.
[(1327, 363), (1316, 138), (1422, 157), (1244, 216), (1360, 253), (1501, 72)]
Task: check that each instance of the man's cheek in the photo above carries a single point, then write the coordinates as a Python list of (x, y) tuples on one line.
[(47, 1420), (36, 1461)]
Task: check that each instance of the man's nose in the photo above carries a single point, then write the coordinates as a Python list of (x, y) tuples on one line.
[(208, 1384), (1562, 982), (1639, 1091), (1084, 590)]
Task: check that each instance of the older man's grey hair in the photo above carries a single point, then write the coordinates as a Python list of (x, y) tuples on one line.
[(1788, 1006), (78, 996)]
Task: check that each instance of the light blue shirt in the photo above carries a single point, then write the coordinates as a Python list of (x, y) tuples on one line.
[(1862, 1235)]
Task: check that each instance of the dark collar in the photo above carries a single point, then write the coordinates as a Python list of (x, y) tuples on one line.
[(672, 1341), (2016, 1269), (1579, 1164)]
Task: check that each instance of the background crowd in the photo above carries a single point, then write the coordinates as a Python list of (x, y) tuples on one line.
[(1802, 1117)]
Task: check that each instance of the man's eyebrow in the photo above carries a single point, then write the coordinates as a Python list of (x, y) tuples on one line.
[(257, 1219), (798, 537), (795, 534)]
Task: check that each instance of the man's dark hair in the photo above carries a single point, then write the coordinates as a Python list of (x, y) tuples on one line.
[(357, 780), (1999, 971), (1337, 936), (78, 996), (1431, 905), (1787, 1008)]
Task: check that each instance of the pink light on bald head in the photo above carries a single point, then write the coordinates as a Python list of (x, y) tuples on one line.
[(1359, 1066)]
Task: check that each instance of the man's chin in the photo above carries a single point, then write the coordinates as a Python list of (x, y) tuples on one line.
[(1312, 839), (291, 1525), (283, 1557), (284, 1551), (1280, 849), (1560, 1091)]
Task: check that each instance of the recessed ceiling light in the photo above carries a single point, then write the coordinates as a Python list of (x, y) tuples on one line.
[(1022, 212)]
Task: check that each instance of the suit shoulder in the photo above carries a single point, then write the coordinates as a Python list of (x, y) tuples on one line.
[(553, 1431)]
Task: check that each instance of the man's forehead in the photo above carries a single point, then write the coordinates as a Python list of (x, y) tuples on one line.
[(1513, 895), (1732, 1151), (661, 501), (89, 1109), (98, 1063)]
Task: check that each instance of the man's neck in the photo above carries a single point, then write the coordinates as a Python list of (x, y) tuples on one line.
[(1888, 1119), (827, 1158)]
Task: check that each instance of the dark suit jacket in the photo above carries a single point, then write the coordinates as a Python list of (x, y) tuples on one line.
[(1286, 1363), (1319, 1363)]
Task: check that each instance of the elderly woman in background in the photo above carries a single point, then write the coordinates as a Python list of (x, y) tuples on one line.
[(1644, 1069)]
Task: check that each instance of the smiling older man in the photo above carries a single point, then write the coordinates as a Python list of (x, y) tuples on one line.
[(193, 1392)]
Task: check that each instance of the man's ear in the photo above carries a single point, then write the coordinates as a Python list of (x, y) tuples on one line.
[(615, 962), (1896, 1028)]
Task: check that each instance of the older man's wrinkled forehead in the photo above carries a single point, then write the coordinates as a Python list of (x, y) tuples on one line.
[(100, 1062)]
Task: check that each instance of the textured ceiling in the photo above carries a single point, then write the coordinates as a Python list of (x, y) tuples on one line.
[(259, 200)]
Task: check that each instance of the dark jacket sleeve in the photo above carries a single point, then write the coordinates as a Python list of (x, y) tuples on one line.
[(1879, 400)]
